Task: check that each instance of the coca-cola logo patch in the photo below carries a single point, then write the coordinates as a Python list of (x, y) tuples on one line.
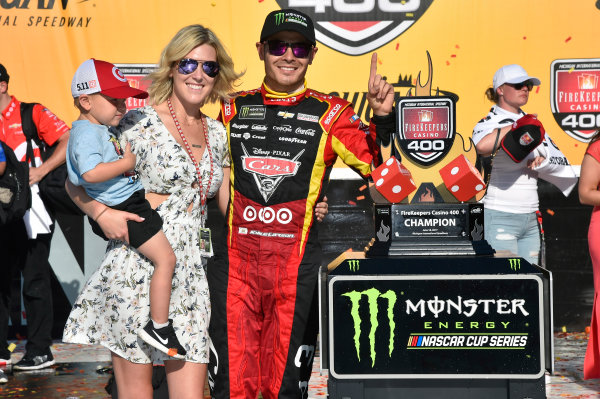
[(575, 96), (356, 27), (425, 128)]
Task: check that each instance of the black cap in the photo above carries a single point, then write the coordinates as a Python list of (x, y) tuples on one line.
[(526, 134), (3, 74), (288, 20)]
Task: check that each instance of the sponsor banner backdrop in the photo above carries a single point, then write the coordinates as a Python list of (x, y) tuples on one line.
[(44, 41)]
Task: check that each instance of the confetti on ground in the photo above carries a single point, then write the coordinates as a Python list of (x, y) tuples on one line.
[(362, 188), (550, 212), (360, 198), (350, 202), (568, 39), (453, 56), (65, 379)]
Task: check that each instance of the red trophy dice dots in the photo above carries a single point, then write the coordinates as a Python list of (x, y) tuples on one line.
[(462, 179), (393, 180)]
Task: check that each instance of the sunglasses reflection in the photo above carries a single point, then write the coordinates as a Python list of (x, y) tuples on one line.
[(278, 48), (188, 65)]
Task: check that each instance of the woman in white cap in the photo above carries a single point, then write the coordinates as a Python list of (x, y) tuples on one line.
[(511, 200)]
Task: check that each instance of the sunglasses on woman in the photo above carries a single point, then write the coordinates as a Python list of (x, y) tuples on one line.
[(189, 65), (519, 86), (278, 48)]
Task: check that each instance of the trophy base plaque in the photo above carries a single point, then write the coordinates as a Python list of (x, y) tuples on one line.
[(428, 230)]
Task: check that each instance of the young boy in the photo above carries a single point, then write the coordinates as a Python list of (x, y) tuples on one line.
[(96, 161)]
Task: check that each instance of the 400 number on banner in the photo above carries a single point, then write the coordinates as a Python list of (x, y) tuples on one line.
[(575, 97)]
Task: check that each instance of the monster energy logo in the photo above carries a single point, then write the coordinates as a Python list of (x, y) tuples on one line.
[(252, 112), (372, 295), (279, 18), (515, 264), (354, 265)]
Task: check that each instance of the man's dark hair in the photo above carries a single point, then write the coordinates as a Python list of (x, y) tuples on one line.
[(3, 74)]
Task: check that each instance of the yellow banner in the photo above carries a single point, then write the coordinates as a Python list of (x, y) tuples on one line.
[(43, 42)]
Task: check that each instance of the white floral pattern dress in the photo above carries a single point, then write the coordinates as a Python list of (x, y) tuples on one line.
[(115, 302)]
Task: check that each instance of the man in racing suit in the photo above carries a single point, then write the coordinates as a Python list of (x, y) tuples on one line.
[(284, 139)]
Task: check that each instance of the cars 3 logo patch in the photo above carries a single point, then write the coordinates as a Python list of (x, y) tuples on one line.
[(357, 27), (575, 96)]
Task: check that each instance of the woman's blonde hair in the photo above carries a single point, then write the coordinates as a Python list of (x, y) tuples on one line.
[(184, 41)]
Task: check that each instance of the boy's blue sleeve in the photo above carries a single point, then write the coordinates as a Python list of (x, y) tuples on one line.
[(86, 151), (2, 155)]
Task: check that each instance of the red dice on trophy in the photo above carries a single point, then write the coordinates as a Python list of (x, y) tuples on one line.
[(392, 180), (462, 179)]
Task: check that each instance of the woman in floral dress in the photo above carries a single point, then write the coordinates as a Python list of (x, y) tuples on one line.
[(176, 147)]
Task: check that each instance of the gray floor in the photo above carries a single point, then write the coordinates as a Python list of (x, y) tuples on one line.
[(81, 372)]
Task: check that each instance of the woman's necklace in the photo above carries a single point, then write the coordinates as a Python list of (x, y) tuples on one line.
[(203, 194)]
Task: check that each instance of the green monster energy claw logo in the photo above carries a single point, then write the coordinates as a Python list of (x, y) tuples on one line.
[(372, 295), (515, 264), (354, 265), (279, 18)]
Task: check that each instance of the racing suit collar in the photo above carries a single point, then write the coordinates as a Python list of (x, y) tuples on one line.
[(272, 97), (5, 113)]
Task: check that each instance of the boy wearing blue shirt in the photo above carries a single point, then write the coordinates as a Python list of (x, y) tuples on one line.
[(96, 161)]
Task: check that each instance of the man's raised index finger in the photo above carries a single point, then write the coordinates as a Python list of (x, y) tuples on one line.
[(373, 68)]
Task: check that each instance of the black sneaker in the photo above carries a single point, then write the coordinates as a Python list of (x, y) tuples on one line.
[(163, 339), (35, 362)]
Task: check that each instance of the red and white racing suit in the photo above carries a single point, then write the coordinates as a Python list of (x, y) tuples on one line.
[(264, 320)]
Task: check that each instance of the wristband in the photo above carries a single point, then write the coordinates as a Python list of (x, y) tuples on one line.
[(100, 214)]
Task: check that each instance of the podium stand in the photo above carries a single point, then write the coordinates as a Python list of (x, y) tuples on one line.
[(428, 326)]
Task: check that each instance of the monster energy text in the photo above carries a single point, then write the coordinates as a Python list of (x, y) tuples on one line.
[(466, 307)]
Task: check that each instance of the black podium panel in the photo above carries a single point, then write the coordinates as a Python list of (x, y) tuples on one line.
[(420, 325), (436, 326)]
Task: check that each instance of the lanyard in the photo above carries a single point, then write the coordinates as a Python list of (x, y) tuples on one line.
[(203, 194)]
